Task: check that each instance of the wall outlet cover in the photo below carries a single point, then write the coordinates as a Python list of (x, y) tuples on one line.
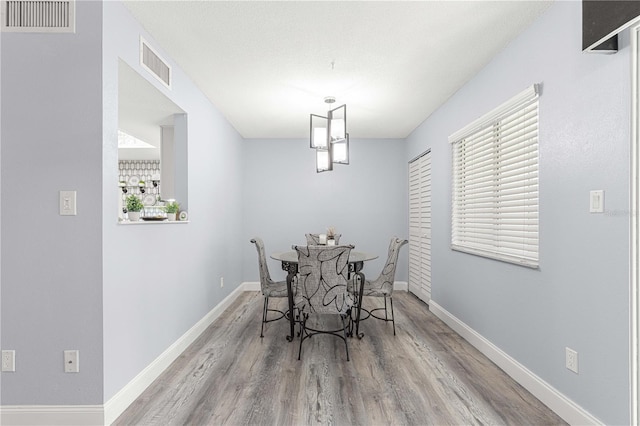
[(571, 360), (9, 361)]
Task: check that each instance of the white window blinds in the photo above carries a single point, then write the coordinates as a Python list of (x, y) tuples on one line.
[(495, 183)]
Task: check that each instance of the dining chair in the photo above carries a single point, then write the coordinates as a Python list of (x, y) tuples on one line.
[(314, 239), (268, 287), (322, 289), (383, 285)]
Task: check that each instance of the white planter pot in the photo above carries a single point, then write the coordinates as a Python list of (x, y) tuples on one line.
[(134, 216), (171, 217)]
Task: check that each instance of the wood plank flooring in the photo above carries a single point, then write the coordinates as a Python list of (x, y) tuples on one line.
[(425, 375)]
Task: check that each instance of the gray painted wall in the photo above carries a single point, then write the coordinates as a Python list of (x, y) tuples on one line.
[(284, 198), (159, 280), (52, 265), (580, 296)]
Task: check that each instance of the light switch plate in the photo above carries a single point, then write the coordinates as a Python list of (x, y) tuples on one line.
[(68, 203), (596, 201)]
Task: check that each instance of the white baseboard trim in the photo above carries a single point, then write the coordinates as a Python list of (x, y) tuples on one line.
[(251, 286), (571, 412), (71, 415), (400, 286), (121, 400)]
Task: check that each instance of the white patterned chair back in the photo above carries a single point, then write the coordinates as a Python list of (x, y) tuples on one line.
[(314, 239), (384, 283), (265, 278), (322, 283)]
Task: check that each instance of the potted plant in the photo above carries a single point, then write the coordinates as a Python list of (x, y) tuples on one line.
[(172, 209), (134, 206), (331, 236)]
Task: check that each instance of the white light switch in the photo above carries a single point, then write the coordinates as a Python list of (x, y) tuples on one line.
[(68, 203), (596, 201)]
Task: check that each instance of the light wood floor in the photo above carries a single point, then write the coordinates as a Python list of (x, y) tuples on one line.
[(425, 375)]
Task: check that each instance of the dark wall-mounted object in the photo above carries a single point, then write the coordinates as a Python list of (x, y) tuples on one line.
[(602, 20)]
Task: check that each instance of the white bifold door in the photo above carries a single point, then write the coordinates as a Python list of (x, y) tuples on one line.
[(420, 227)]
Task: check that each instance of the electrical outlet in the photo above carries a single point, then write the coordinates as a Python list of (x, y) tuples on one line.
[(9, 361), (221, 282), (571, 360), (72, 361)]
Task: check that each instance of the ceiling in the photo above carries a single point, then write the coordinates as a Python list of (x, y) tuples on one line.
[(267, 65)]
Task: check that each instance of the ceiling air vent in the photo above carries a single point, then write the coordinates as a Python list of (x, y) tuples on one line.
[(38, 16), (154, 63)]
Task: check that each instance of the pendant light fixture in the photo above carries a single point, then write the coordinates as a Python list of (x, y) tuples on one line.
[(329, 137)]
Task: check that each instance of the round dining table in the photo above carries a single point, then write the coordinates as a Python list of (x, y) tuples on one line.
[(289, 261)]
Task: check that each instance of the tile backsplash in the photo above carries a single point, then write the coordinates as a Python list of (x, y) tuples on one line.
[(132, 172)]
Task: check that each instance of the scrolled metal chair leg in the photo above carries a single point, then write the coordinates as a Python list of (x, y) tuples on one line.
[(350, 323), (344, 329), (264, 315), (303, 321), (393, 317), (386, 318), (361, 277)]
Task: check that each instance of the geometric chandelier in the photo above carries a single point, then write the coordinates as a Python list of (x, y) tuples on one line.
[(329, 137)]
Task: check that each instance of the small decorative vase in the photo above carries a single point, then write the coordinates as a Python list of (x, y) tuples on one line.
[(331, 242), (171, 217), (134, 216)]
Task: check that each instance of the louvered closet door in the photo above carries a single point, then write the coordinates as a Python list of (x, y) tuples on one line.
[(420, 227)]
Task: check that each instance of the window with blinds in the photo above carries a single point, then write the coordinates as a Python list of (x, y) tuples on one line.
[(495, 183)]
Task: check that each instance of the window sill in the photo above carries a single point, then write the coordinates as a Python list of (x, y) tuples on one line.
[(153, 222)]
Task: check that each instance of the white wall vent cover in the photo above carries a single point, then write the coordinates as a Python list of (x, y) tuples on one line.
[(50, 16), (152, 62)]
